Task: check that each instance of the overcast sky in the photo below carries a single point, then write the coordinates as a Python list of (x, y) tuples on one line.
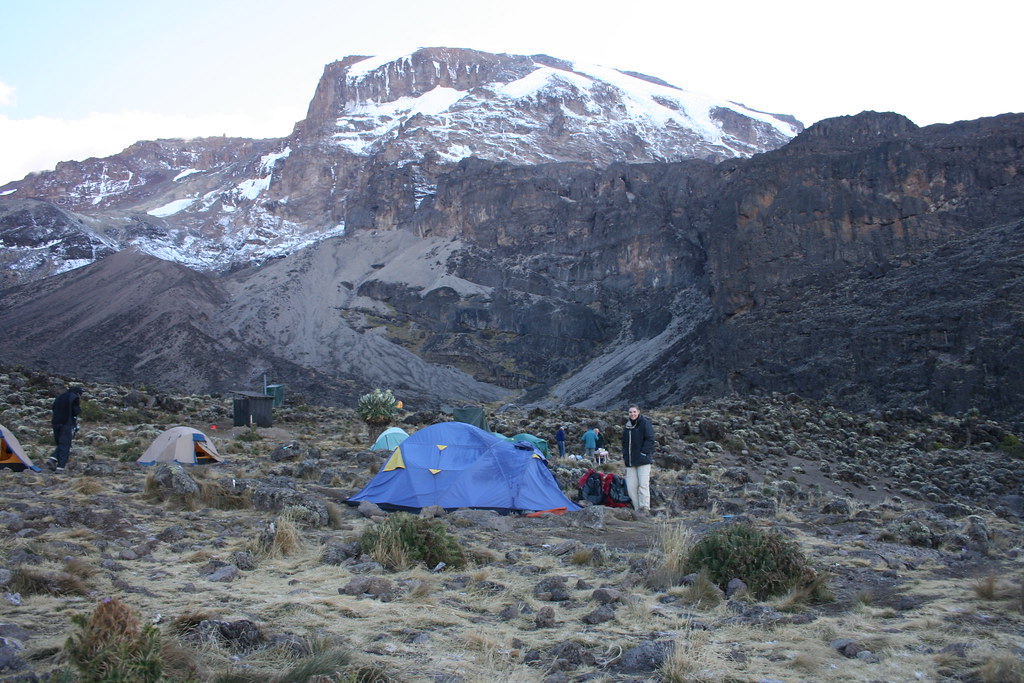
[(81, 79)]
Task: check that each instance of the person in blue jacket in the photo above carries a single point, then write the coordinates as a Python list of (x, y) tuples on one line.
[(589, 440), (64, 420), (638, 455), (560, 438)]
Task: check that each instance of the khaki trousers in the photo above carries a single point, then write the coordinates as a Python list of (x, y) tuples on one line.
[(638, 483)]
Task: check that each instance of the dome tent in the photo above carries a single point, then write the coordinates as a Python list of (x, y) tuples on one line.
[(537, 442), (183, 445), (389, 439), (12, 455), (456, 465)]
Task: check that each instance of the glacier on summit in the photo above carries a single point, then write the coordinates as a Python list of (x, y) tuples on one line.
[(379, 133)]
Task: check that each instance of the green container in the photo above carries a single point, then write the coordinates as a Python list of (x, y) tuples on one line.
[(277, 391)]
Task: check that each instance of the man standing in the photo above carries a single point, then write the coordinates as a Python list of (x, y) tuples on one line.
[(64, 420), (589, 440), (560, 438), (638, 454)]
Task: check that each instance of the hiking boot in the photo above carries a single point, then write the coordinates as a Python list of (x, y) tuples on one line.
[(52, 464), (58, 470)]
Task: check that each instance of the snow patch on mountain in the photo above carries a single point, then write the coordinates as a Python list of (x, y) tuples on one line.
[(552, 113), (172, 208)]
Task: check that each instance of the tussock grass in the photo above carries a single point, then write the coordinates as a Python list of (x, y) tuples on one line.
[(75, 566), (215, 495), (32, 581), (335, 515), (667, 557), (369, 673), (1002, 667), (703, 593), (187, 623), (815, 591), (865, 597), (326, 663), (809, 661), (88, 486), (591, 556), (690, 661), (992, 587), (281, 538), (635, 608), (422, 590)]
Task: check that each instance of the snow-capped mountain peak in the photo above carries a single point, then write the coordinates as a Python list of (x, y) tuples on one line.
[(379, 133)]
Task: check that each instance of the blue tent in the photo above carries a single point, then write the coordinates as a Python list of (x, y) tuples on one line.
[(456, 465), (389, 439)]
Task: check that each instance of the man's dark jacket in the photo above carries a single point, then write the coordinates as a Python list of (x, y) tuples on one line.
[(638, 442), (66, 408)]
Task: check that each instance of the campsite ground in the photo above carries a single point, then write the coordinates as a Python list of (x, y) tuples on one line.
[(244, 582)]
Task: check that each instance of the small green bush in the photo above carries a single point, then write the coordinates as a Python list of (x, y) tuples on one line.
[(768, 563), (403, 540), (1012, 446), (91, 411), (377, 409), (111, 645), (250, 435)]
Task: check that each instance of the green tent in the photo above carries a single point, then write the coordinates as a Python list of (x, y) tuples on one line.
[(473, 415), (537, 442)]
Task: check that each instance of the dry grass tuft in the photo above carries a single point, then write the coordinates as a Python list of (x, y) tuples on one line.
[(702, 593), (31, 581), (1002, 668), (182, 663), (213, 494), (808, 662), (335, 515), (590, 556), (369, 673), (481, 556), (690, 661), (88, 486), (865, 597), (78, 567), (422, 590), (668, 557), (992, 588), (185, 624), (815, 591), (281, 538), (320, 664)]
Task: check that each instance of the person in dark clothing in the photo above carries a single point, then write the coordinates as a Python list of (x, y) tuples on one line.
[(64, 421), (638, 455), (560, 438)]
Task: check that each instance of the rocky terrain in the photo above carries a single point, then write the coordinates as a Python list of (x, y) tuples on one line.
[(868, 263), (378, 135), (252, 570)]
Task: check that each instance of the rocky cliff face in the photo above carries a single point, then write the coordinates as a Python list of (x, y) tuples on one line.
[(379, 134), (867, 262)]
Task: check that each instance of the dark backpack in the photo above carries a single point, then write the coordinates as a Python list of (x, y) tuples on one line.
[(617, 494), (604, 489), (591, 487)]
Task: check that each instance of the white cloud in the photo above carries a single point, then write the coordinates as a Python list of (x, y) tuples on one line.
[(6, 94), (39, 143)]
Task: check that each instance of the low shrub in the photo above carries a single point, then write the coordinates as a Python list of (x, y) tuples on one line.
[(768, 563), (403, 540), (32, 581), (1012, 446), (111, 645)]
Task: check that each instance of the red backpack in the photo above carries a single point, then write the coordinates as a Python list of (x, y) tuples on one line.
[(604, 489)]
